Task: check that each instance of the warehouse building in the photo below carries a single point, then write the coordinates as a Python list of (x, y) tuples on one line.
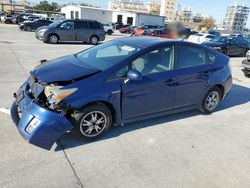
[(115, 16)]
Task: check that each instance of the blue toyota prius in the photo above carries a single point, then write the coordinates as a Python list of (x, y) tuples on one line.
[(120, 81)]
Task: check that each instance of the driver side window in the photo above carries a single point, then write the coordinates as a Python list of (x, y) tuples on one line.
[(67, 25), (159, 60)]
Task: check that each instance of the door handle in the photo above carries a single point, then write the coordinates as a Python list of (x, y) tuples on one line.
[(206, 74), (171, 82)]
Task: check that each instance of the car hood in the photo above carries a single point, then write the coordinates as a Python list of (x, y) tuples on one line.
[(213, 44), (63, 71)]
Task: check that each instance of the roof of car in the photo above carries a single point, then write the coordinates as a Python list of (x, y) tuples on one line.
[(144, 42)]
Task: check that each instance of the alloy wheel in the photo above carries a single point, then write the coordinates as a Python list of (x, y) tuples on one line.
[(93, 123), (212, 100), (94, 40), (53, 39)]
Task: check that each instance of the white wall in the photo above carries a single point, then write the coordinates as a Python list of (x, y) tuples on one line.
[(125, 15), (149, 20), (67, 11), (96, 14)]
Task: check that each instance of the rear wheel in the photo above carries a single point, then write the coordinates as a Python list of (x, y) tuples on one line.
[(92, 122), (94, 40), (211, 100), (109, 32), (53, 39), (28, 28)]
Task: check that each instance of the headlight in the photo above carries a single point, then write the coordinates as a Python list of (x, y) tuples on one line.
[(42, 30), (56, 94), (33, 124)]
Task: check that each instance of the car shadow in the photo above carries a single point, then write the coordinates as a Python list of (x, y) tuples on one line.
[(238, 95)]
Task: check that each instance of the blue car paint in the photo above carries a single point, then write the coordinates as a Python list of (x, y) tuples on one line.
[(177, 90)]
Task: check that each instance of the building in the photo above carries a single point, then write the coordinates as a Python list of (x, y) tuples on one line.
[(236, 17), (184, 14), (126, 5), (154, 7), (115, 16), (83, 12), (168, 9), (9, 6)]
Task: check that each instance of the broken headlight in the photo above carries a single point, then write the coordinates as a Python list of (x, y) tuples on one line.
[(55, 94)]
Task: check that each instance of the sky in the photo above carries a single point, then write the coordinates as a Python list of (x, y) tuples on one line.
[(214, 8)]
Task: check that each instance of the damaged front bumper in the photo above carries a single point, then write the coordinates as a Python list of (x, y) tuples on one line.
[(51, 125)]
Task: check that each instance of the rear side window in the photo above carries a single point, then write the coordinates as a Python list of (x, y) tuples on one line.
[(211, 58), (94, 25), (81, 25), (189, 56)]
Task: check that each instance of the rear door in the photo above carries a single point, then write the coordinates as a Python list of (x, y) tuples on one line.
[(82, 30), (66, 31), (192, 75)]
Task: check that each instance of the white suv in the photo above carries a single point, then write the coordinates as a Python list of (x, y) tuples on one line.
[(108, 28)]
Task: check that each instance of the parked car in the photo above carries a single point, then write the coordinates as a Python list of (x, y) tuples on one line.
[(145, 29), (231, 46), (34, 25), (8, 19), (88, 92), (129, 30), (162, 33), (108, 28), (246, 65), (72, 30), (200, 38), (31, 18), (118, 26)]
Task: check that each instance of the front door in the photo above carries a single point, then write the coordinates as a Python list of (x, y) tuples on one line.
[(192, 74), (67, 31), (154, 93)]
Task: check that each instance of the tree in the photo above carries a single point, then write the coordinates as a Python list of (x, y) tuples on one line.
[(46, 6), (208, 23)]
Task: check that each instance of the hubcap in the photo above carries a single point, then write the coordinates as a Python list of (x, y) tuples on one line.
[(53, 39), (212, 100), (94, 40), (93, 124)]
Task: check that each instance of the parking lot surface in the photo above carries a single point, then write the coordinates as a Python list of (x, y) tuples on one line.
[(183, 150)]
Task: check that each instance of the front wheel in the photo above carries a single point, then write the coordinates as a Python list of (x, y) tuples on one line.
[(53, 39), (211, 100), (92, 122)]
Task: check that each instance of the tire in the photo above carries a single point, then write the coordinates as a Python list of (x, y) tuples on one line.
[(224, 51), (94, 40), (28, 28), (211, 100), (247, 75), (86, 124), (109, 32), (244, 53), (53, 39)]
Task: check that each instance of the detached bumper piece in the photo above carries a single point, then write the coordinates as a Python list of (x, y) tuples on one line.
[(37, 125)]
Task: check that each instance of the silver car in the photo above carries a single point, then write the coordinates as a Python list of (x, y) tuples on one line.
[(90, 31)]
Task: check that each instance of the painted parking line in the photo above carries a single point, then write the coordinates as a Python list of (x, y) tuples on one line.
[(5, 110)]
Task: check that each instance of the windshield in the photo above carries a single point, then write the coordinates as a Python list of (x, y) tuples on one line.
[(107, 55), (56, 23), (220, 39)]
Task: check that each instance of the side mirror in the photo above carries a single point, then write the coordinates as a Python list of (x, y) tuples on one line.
[(133, 75)]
